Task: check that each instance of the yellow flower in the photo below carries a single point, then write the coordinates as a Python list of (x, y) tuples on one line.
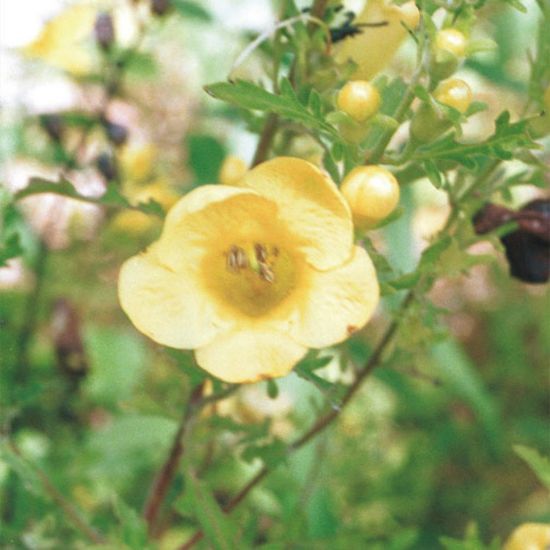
[(250, 276), (373, 47), (63, 40), (137, 161), (529, 536)]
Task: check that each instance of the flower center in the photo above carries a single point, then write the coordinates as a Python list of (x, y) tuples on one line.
[(253, 277)]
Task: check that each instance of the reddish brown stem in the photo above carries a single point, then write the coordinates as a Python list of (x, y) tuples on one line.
[(166, 474)]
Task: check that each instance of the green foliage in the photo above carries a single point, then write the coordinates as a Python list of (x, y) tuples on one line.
[(112, 198), (250, 96), (508, 140), (405, 436), (538, 463)]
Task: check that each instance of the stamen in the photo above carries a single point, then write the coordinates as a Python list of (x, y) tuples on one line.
[(236, 259), (266, 273), (261, 252)]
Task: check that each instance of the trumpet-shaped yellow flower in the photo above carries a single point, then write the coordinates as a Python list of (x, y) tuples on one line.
[(373, 47), (251, 276), (63, 40)]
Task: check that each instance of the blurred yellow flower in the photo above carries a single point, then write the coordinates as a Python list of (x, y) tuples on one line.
[(251, 276), (137, 161), (66, 41), (529, 536), (373, 48)]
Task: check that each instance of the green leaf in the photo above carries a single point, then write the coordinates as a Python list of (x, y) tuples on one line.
[(118, 361), (471, 541), (433, 252), (10, 248), (190, 9), (111, 198), (128, 444), (220, 531), (206, 154), (252, 97), (507, 141), (538, 463), (271, 454), (272, 389), (140, 64), (463, 379), (132, 528), (22, 468), (517, 5), (433, 173)]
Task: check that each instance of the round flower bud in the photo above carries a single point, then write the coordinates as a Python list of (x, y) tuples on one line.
[(534, 536), (454, 93), (372, 193), (160, 7), (104, 30), (359, 99), (232, 170), (452, 41)]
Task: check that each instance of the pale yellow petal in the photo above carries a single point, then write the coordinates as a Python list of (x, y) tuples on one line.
[(309, 204), (338, 302), (212, 218), (373, 48), (249, 355), (168, 307)]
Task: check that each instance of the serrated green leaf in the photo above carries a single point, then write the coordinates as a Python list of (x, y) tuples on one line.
[(250, 96), (538, 463), (506, 142)]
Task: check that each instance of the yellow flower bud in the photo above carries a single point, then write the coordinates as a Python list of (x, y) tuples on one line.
[(454, 93), (359, 99), (452, 41), (372, 193), (529, 536), (232, 170)]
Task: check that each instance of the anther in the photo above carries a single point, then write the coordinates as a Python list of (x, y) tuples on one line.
[(261, 252), (236, 259), (266, 273)]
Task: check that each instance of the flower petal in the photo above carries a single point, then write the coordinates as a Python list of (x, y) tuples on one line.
[(249, 355), (373, 48), (214, 217), (340, 302), (310, 204), (168, 307)]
